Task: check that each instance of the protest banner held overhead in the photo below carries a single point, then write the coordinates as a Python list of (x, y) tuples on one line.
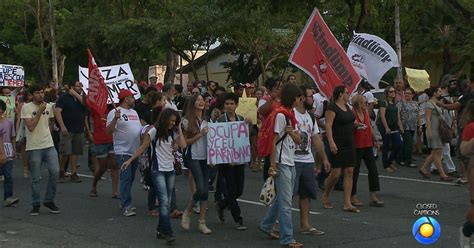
[(419, 80), (116, 77), (228, 143), (319, 54), (247, 108), (12, 76), (371, 57), (97, 94)]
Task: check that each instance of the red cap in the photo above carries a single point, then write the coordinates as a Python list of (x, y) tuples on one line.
[(124, 93)]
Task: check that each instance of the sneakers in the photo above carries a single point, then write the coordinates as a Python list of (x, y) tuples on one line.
[(75, 178), (52, 207), (186, 220), (197, 208), (128, 211), (211, 189), (170, 239), (26, 174), (240, 226), (10, 201), (220, 213), (203, 228), (35, 211), (464, 242)]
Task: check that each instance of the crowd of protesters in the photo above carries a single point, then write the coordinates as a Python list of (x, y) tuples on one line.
[(318, 142)]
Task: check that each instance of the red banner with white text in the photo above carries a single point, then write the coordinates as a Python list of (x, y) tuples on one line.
[(97, 94), (320, 55)]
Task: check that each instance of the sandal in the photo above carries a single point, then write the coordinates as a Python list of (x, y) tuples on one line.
[(294, 244), (93, 193), (176, 214), (423, 174), (446, 179), (271, 234), (352, 210), (389, 170), (115, 197), (312, 231), (357, 204), (327, 205), (377, 204)]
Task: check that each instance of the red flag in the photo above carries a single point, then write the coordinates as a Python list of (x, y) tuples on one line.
[(97, 93), (320, 55)]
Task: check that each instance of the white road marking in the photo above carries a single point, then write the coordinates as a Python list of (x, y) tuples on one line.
[(413, 180), (261, 204)]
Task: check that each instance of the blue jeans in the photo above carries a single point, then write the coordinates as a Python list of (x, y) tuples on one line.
[(200, 173), (391, 144), (49, 158), (126, 179), (6, 171), (163, 182), (281, 207)]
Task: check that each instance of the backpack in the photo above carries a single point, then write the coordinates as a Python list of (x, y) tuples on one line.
[(266, 132)]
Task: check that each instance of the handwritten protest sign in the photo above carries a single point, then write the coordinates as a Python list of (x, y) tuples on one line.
[(12, 75), (419, 80), (10, 102), (116, 77), (228, 143), (248, 108)]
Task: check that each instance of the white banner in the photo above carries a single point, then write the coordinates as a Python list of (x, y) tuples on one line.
[(371, 57), (116, 77), (12, 76)]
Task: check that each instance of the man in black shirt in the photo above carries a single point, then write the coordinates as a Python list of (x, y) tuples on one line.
[(70, 113)]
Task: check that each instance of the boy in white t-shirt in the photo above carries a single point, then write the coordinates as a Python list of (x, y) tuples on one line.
[(40, 147), (282, 162), (124, 123)]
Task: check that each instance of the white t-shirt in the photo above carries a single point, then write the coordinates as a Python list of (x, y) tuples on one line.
[(287, 146), (170, 105), (319, 113), (317, 99), (307, 130), (127, 131), (41, 137), (199, 148), (261, 102), (164, 151)]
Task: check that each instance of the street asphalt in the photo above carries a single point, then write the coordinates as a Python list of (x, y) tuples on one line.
[(97, 222)]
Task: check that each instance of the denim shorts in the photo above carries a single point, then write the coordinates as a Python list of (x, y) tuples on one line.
[(305, 181), (102, 150)]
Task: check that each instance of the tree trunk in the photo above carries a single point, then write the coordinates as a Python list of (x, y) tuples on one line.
[(41, 66), (54, 48), (446, 60), (364, 13), (398, 42), (62, 59), (171, 65)]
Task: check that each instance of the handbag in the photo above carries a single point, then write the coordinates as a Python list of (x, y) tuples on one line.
[(178, 162), (267, 194), (445, 132)]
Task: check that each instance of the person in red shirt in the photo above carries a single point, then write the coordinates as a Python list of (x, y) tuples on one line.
[(364, 143), (104, 152)]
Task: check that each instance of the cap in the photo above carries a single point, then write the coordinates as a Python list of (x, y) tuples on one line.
[(124, 93)]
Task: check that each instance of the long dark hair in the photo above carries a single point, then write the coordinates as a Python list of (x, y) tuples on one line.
[(162, 124), (338, 91), (190, 115)]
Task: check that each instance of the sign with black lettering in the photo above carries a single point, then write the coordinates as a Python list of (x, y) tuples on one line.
[(12, 75), (116, 77)]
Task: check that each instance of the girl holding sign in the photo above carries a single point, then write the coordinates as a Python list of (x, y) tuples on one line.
[(195, 158)]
